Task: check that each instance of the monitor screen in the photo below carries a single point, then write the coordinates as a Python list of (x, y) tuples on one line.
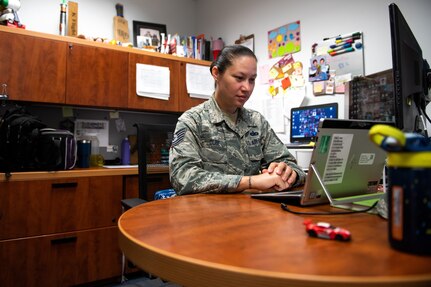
[(305, 121), (409, 73), (372, 97)]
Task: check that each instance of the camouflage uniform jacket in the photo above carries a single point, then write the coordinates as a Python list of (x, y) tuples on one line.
[(210, 155)]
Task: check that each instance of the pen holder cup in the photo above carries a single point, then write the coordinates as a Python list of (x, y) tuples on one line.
[(409, 190)]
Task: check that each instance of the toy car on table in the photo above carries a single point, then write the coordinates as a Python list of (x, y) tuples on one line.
[(326, 230)]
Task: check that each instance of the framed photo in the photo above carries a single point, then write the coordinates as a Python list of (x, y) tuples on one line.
[(247, 41), (151, 30)]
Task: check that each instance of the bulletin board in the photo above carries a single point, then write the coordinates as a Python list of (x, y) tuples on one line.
[(336, 61), (344, 53)]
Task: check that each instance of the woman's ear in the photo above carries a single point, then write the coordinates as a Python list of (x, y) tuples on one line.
[(215, 73)]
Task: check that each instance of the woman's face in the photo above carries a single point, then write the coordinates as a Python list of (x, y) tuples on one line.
[(236, 84)]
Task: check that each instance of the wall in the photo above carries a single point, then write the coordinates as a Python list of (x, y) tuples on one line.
[(95, 17), (318, 20)]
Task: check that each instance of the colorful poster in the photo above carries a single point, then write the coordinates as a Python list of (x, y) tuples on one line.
[(284, 40)]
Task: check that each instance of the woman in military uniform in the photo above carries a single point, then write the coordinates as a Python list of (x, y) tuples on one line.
[(221, 147)]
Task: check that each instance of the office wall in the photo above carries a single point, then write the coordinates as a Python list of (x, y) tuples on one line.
[(319, 19), (96, 16)]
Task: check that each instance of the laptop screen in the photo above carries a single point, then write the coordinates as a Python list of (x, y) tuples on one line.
[(305, 121)]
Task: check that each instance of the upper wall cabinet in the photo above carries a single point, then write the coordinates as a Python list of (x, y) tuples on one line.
[(96, 76), (147, 103), (34, 69), (38, 67)]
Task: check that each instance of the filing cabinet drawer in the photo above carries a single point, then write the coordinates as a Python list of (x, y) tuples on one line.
[(29, 208), (62, 259)]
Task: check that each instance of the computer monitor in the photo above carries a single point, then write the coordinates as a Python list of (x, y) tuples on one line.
[(305, 121), (411, 75)]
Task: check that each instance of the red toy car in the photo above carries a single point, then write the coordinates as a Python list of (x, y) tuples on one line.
[(326, 230)]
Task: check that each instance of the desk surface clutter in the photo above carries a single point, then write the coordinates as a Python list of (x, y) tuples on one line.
[(233, 240)]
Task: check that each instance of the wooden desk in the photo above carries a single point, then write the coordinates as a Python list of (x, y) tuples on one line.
[(233, 240)]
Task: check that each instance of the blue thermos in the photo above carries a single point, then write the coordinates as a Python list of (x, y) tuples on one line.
[(125, 152)]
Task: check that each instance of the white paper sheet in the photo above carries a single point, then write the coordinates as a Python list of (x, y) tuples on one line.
[(274, 113), (200, 83), (99, 128), (152, 81)]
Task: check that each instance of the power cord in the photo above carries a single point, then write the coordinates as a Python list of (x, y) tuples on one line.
[(286, 208)]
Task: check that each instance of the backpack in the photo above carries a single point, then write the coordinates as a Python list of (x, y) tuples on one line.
[(19, 133)]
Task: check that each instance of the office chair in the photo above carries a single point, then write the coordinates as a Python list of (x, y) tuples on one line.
[(143, 137)]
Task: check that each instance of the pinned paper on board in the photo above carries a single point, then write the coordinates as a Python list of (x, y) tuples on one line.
[(284, 40), (285, 74)]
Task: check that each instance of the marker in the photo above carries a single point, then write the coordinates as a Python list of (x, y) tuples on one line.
[(356, 35), (340, 47), (341, 44), (347, 50)]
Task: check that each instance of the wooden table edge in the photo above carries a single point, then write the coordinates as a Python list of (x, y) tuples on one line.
[(173, 267)]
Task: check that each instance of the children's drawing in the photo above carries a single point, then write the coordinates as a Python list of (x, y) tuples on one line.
[(285, 74), (284, 40)]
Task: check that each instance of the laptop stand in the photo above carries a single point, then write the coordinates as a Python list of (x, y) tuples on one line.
[(348, 202)]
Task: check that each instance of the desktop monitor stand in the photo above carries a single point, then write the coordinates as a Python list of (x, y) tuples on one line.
[(421, 125)]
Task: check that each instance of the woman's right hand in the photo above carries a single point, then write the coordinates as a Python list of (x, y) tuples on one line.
[(269, 181), (264, 182)]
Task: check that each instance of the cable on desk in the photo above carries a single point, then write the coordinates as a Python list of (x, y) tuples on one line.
[(286, 208)]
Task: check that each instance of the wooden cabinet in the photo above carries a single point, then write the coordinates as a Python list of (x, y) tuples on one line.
[(34, 69), (151, 104), (59, 232), (62, 259), (45, 68), (96, 76)]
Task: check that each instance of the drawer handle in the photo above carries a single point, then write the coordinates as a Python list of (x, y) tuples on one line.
[(64, 185), (71, 239)]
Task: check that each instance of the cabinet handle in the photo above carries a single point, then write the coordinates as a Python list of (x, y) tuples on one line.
[(71, 239), (70, 46), (64, 185)]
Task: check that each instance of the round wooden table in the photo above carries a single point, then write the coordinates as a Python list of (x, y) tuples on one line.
[(234, 240)]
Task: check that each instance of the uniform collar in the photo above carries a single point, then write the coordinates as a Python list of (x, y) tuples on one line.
[(244, 122)]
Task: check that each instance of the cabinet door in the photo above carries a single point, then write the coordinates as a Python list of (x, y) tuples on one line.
[(151, 104), (185, 101), (96, 76), (62, 259), (30, 208), (34, 69)]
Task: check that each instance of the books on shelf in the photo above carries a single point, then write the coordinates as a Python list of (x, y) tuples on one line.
[(196, 47)]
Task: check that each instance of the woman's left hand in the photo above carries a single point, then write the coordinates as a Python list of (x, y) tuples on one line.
[(283, 170)]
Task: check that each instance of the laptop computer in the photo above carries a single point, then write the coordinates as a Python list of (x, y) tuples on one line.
[(304, 122), (345, 167)]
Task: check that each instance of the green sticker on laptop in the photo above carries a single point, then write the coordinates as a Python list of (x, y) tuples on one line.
[(324, 144)]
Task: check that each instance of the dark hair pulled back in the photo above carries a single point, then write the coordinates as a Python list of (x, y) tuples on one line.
[(228, 54)]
